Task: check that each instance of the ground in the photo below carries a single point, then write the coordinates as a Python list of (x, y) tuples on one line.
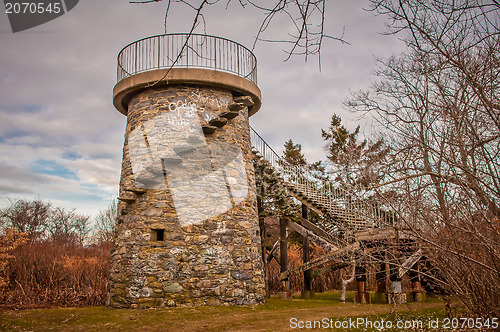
[(276, 315)]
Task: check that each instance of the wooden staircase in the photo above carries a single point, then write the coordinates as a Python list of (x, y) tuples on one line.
[(348, 220), (343, 211), (328, 208)]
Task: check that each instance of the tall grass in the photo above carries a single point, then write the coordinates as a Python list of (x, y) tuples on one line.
[(47, 273)]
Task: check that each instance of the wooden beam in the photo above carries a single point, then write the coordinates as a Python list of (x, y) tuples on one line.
[(385, 233), (376, 234), (272, 253), (330, 268), (262, 228), (304, 201), (320, 260), (310, 235), (316, 230), (409, 263)]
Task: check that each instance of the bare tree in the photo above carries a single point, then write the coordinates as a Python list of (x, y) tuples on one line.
[(105, 224), (67, 226), (29, 217), (440, 103), (345, 282), (306, 17)]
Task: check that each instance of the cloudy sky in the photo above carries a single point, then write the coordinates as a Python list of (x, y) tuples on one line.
[(61, 139)]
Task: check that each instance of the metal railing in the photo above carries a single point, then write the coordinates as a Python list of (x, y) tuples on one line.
[(356, 211), (183, 50)]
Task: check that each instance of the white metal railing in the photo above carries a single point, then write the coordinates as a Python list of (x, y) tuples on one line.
[(183, 50), (338, 201)]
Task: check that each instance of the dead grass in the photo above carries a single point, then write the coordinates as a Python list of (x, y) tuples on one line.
[(273, 316)]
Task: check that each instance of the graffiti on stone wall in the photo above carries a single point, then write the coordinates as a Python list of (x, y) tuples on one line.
[(205, 178)]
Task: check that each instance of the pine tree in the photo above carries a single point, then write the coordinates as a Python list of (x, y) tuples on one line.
[(357, 163), (293, 154)]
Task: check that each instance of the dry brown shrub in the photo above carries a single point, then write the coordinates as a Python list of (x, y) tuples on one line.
[(46, 273), (322, 283), (8, 242)]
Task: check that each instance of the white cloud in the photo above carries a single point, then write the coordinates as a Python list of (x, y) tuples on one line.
[(57, 80)]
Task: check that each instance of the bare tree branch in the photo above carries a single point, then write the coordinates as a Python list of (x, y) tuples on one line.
[(308, 19)]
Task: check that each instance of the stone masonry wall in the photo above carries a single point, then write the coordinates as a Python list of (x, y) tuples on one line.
[(188, 228)]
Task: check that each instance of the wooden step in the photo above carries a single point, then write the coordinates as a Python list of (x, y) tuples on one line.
[(219, 122), (245, 100), (229, 115), (235, 107), (327, 207), (127, 199), (208, 130), (135, 190)]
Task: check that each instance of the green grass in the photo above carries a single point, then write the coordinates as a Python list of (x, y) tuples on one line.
[(275, 315)]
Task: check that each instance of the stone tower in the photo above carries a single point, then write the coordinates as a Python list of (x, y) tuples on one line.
[(188, 226)]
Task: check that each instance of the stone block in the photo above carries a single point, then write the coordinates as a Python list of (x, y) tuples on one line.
[(172, 288), (220, 290), (213, 301), (183, 148), (146, 292), (241, 275)]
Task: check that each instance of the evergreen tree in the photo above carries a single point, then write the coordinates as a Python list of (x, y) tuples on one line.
[(293, 154), (357, 163), (271, 194)]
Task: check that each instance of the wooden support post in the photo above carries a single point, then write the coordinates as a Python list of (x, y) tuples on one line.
[(380, 295), (262, 227), (285, 293), (361, 296), (417, 292), (307, 292), (381, 276), (396, 296)]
